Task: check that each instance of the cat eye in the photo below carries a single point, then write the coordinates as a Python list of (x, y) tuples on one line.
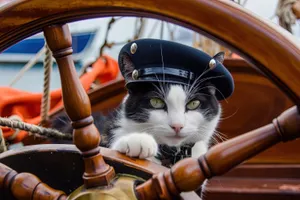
[(157, 103), (192, 105)]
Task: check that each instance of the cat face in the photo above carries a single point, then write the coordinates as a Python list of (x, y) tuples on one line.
[(174, 114)]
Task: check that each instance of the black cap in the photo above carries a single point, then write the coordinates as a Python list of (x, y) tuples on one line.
[(152, 61)]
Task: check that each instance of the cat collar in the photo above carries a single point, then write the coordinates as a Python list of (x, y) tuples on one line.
[(170, 155)]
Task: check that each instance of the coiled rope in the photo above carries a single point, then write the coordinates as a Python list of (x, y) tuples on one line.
[(34, 129), (2, 142)]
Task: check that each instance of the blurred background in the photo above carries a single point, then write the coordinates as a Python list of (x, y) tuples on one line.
[(89, 38)]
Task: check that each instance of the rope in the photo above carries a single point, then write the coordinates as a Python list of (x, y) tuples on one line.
[(29, 65), (47, 132), (2, 142), (285, 14), (45, 104), (17, 131)]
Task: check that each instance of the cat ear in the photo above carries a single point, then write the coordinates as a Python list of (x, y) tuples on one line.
[(220, 57), (127, 66)]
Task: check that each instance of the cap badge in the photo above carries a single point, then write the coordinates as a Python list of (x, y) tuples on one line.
[(135, 74), (133, 48), (212, 64)]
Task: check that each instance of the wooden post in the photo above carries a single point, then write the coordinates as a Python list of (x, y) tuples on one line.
[(77, 105)]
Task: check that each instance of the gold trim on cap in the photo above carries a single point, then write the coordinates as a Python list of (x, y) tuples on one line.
[(133, 48), (212, 64), (135, 74)]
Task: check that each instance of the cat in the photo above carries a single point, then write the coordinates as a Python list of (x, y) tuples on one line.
[(163, 114), (174, 115)]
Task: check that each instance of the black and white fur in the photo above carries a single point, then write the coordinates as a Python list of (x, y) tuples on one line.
[(136, 128)]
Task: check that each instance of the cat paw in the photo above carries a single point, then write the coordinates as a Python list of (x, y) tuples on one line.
[(139, 145), (199, 149)]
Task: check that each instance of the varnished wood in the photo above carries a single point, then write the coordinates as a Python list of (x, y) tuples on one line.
[(26, 186), (59, 40), (266, 55), (255, 181), (70, 172), (264, 171), (106, 98), (272, 44), (61, 165), (6, 174), (77, 105), (286, 127), (221, 158), (251, 188), (254, 103)]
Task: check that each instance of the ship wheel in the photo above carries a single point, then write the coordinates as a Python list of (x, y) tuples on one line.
[(108, 174)]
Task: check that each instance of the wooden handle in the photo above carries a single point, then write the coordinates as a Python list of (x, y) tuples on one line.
[(190, 173), (77, 104), (25, 186)]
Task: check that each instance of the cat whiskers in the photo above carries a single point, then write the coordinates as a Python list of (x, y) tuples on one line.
[(195, 87), (139, 114), (195, 133), (159, 94), (202, 74), (205, 112), (198, 78), (162, 62), (224, 118), (152, 128), (217, 90), (218, 135), (221, 135), (162, 87), (199, 133)]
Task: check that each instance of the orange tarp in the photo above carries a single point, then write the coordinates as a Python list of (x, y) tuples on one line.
[(28, 105)]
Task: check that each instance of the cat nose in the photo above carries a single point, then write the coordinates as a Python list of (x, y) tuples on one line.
[(176, 127)]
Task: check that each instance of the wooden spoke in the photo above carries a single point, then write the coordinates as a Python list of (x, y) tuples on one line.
[(274, 53), (220, 158), (77, 104), (25, 186)]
